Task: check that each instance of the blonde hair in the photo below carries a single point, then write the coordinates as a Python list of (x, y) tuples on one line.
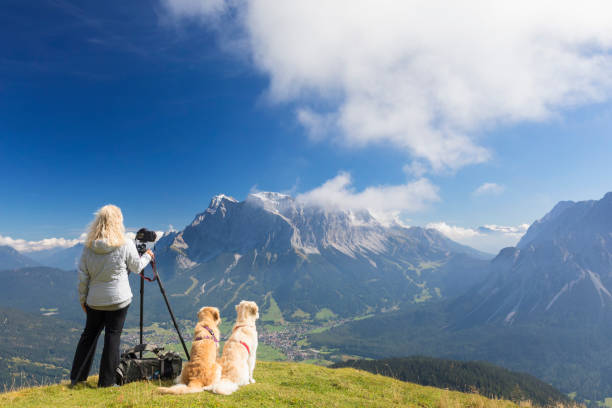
[(108, 225)]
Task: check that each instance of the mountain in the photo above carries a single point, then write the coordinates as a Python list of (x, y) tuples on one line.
[(560, 271), (308, 259), (10, 258), (41, 290), (544, 308), (61, 258)]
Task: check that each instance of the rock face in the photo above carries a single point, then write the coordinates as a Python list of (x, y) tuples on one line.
[(560, 271), (309, 258)]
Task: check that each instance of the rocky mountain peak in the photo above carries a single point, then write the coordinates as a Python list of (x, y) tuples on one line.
[(218, 200), (271, 201)]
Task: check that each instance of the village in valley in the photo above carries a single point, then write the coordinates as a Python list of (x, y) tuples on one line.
[(277, 341)]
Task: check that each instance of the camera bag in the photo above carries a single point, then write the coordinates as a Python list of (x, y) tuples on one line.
[(164, 365)]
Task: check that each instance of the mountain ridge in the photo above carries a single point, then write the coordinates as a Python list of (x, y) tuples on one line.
[(10, 258), (560, 270), (310, 257)]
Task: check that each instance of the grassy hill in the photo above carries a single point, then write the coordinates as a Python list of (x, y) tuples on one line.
[(278, 384), (466, 376)]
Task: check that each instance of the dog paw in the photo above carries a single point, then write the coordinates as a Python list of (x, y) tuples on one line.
[(252, 380)]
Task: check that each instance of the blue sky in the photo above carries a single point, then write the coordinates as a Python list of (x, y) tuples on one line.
[(156, 107)]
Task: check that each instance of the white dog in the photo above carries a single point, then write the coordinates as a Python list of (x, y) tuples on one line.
[(238, 358)]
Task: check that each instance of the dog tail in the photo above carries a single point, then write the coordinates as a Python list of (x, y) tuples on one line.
[(224, 387), (179, 389)]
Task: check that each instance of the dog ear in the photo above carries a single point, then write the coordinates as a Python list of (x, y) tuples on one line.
[(201, 313), (253, 309), (215, 315)]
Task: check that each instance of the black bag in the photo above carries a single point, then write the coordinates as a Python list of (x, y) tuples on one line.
[(165, 365)]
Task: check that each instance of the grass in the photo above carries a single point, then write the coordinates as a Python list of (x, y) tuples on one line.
[(319, 330), (606, 403), (273, 314), (266, 352), (367, 316), (278, 384), (325, 314), (300, 314)]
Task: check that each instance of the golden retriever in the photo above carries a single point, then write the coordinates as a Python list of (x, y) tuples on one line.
[(238, 358), (202, 368)]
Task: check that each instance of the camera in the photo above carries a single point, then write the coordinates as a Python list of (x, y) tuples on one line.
[(143, 236)]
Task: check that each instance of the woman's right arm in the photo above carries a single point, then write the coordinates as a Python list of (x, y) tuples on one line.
[(136, 263)]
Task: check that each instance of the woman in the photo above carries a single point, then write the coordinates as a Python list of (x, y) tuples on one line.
[(105, 292)]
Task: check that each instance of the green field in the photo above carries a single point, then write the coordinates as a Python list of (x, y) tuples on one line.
[(278, 384), (325, 314), (273, 313)]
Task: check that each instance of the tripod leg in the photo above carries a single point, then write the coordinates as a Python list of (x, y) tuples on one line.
[(141, 308), (163, 292)]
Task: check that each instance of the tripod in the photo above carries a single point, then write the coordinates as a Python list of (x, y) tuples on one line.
[(163, 292)]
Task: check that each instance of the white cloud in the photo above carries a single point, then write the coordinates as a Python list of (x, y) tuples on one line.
[(25, 246), (30, 246), (487, 238), (518, 231), (453, 232), (416, 169), (489, 189), (384, 202), (425, 76)]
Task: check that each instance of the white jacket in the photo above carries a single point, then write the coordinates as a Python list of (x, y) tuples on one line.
[(103, 272)]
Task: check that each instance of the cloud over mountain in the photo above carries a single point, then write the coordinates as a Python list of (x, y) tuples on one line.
[(426, 77), (26, 246), (488, 238), (23, 245), (385, 202)]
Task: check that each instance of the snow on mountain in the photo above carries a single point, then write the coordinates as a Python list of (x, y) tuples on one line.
[(308, 256)]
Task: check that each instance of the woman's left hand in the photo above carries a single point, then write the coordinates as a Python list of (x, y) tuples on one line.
[(84, 308)]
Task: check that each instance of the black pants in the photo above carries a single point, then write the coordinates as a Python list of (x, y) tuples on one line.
[(112, 323)]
